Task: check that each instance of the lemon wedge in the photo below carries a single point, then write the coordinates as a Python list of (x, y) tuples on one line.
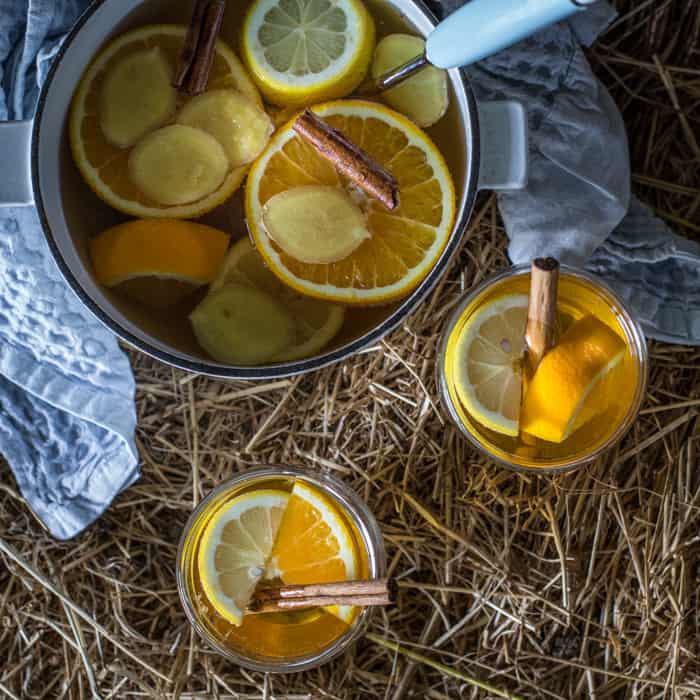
[(488, 363), (235, 547), (305, 51), (567, 376)]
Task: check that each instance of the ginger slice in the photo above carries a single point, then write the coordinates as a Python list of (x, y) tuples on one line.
[(315, 223), (234, 120), (178, 165), (136, 97), (241, 325), (423, 98)]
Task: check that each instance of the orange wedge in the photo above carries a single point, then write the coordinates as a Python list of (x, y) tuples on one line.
[(314, 544), (161, 248), (562, 390), (105, 165), (404, 244)]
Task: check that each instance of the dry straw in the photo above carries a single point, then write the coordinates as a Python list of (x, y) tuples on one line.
[(582, 585)]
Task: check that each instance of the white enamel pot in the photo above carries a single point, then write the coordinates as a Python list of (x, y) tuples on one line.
[(489, 147)]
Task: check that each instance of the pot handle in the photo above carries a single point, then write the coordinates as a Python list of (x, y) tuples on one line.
[(15, 177), (483, 27), (504, 142)]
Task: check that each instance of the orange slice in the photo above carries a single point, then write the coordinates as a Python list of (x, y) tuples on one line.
[(404, 244), (104, 165), (314, 544), (158, 261), (557, 396)]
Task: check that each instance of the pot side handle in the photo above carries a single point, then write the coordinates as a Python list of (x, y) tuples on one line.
[(15, 175), (503, 132)]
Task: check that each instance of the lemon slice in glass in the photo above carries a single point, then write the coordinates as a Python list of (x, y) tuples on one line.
[(488, 363), (305, 51), (235, 548)]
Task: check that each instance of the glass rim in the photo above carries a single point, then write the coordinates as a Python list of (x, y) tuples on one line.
[(635, 337), (361, 516)]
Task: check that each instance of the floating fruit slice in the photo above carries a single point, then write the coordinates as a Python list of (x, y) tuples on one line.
[(235, 547), (304, 51), (240, 325), (104, 165), (314, 544), (315, 223), (164, 248), (488, 363), (566, 377), (137, 97), (424, 98), (405, 243), (178, 165), (240, 125), (316, 322)]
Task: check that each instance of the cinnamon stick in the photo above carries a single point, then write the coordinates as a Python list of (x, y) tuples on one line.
[(339, 588), (265, 606), (542, 310), (348, 158), (297, 597), (197, 55)]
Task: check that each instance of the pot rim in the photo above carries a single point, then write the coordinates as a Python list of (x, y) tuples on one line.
[(281, 370)]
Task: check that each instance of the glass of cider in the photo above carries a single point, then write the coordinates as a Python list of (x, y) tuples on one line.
[(276, 525), (581, 398)]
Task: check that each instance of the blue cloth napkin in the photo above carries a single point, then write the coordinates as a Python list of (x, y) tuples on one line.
[(67, 414)]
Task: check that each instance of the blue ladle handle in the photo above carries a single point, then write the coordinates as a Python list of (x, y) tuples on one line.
[(483, 27)]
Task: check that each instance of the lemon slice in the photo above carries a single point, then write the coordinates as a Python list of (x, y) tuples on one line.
[(304, 51), (314, 544), (404, 243), (315, 322), (235, 548), (558, 392), (424, 98), (104, 165), (488, 363)]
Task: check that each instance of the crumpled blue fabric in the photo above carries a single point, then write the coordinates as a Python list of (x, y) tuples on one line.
[(577, 205), (67, 415)]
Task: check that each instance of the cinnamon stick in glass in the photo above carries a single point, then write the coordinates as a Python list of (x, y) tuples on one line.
[(542, 310), (361, 593), (348, 158)]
